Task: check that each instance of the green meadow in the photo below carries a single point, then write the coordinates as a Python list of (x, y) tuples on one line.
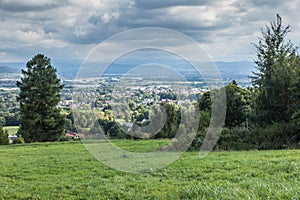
[(67, 171)]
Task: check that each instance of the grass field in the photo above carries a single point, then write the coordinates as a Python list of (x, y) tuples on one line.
[(12, 130), (68, 171)]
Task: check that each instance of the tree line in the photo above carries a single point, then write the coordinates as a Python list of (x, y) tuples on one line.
[(267, 115)]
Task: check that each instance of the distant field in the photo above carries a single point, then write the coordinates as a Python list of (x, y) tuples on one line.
[(12, 130), (68, 171)]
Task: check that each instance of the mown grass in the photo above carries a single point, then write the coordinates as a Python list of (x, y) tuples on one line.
[(12, 130), (68, 171)]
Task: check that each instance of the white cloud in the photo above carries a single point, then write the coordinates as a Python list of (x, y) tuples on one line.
[(67, 28)]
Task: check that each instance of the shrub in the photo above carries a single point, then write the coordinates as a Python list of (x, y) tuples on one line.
[(198, 141), (3, 136), (64, 139), (19, 140), (238, 138)]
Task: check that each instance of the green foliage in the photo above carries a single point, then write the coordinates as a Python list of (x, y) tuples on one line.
[(9, 108), (19, 140), (237, 100), (205, 102), (277, 63), (238, 138), (294, 88), (173, 117), (116, 132), (270, 137), (11, 117), (64, 139), (237, 103), (198, 141), (140, 113), (275, 136), (167, 95), (204, 120), (39, 95), (109, 128), (3, 136), (70, 126), (2, 121), (82, 119)]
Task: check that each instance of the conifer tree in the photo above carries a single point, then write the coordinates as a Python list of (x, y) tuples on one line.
[(276, 64), (41, 119)]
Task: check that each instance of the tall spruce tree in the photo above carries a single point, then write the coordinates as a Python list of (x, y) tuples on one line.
[(41, 119), (276, 63)]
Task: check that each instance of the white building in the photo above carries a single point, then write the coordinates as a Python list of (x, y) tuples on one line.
[(11, 138)]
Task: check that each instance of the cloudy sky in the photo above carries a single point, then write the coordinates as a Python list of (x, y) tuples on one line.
[(69, 29)]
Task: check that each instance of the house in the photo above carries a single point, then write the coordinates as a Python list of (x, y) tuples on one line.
[(11, 138)]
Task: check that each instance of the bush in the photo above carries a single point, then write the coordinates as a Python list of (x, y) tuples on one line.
[(276, 136), (19, 140), (238, 138), (3, 136), (198, 141), (64, 139)]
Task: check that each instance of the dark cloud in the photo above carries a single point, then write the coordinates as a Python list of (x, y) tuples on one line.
[(161, 18), (136, 18), (27, 6)]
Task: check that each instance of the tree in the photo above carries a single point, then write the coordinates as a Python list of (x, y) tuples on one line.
[(173, 118), (3, 136), (237, 102), (276, 62), (70, 126), (41, 119), (295, 91), (205, 102), (2, 121)]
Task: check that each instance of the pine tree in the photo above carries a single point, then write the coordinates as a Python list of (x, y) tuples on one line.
[(276, 63), (41, 119)]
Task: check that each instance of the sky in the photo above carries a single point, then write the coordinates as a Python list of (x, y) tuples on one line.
[(70, 29)]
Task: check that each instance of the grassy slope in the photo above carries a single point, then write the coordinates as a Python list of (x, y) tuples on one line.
[(12, 130), (68, 171)]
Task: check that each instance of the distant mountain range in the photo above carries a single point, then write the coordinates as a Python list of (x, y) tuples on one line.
[(9, 70), (239, 71)]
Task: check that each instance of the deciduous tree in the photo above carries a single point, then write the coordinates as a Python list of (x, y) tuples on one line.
[(3, 136)]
